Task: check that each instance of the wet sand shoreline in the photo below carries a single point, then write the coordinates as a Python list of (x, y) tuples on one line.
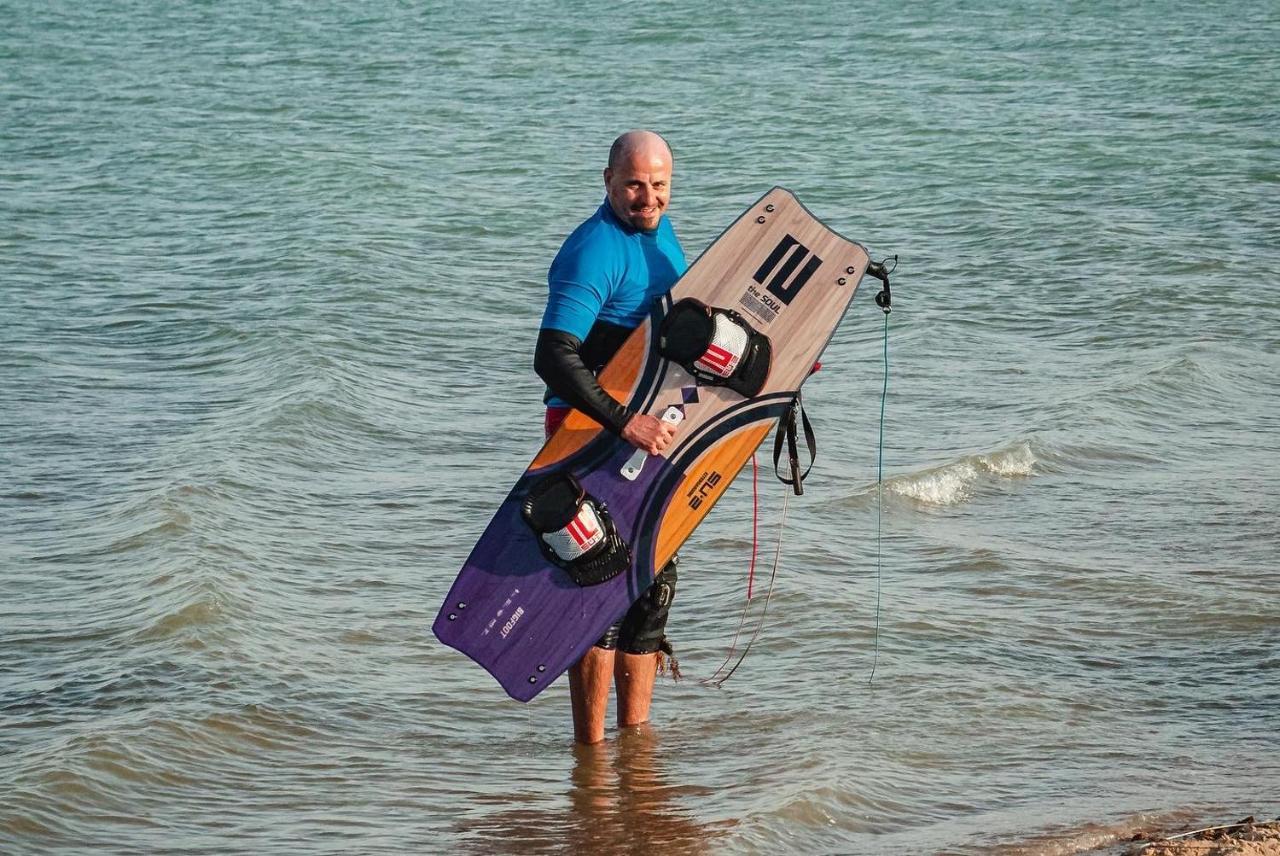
[(1246, 837)]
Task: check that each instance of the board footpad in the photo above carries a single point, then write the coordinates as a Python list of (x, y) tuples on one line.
[(575, 531)]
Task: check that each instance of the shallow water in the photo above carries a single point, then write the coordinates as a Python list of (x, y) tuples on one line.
[(272, 277)]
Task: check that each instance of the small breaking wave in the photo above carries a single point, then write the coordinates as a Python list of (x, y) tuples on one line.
[(957, 482)]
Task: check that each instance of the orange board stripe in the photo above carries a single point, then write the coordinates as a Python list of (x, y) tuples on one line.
[(705, 481)]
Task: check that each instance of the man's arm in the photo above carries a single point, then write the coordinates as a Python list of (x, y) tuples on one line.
[(558, 361)]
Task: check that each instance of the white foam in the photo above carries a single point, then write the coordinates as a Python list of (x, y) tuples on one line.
[(1018, 461), (952, 484), (949, 485)]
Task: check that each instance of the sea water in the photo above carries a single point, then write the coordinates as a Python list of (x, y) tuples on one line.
[(271, 276)]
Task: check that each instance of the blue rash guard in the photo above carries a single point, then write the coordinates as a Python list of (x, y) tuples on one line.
[(607, 274)]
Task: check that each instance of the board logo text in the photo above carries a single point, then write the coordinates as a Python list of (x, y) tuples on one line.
[(705, 484), (785, 281), (511, 622)]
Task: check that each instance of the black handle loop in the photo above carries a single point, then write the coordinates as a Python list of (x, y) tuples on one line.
[(787, 432)]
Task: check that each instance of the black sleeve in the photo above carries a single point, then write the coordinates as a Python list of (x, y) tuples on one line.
[(558, 361)]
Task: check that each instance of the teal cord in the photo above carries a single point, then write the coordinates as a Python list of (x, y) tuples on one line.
[(884, 394)]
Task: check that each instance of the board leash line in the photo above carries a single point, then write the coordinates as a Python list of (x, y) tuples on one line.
[(884, 300), (884, 393), (755, 543), (764, 611)]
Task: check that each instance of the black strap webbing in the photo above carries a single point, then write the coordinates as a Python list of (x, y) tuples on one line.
[(787, 429)]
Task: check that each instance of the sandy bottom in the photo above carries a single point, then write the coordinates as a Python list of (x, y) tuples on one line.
[(1245, 838)]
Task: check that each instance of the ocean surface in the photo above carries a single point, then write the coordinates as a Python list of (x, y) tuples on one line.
[(270, 277)]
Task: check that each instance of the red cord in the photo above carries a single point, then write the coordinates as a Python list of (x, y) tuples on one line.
[(755, 514)]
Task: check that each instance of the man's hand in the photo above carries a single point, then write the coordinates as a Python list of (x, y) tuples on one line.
[(648, 433)]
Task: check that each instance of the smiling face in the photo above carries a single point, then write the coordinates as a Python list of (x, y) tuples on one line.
[(638, 182)]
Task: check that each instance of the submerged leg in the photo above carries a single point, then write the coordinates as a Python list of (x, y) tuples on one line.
[(634, 674), (639, 640), (589, 681)]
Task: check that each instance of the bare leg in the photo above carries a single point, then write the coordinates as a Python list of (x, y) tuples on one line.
[(589, 680), (634, 675)]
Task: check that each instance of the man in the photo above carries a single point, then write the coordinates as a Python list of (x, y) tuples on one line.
[(602, 284)]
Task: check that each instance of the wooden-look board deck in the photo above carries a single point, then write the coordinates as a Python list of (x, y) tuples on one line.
[(522, 617)]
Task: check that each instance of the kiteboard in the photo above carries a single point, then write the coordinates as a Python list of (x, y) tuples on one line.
[(722, 357)]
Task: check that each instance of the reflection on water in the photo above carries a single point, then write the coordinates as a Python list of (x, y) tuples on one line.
[(619, 801)]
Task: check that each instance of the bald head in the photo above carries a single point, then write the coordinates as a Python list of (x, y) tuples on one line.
[(638, 179), (639, 142)]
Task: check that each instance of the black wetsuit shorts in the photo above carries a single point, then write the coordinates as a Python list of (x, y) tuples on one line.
[(643, 628)]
